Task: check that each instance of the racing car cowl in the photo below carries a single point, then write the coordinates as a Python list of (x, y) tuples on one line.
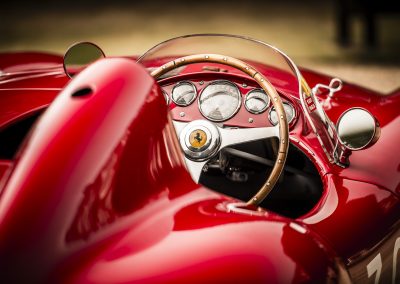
[(104, 148)]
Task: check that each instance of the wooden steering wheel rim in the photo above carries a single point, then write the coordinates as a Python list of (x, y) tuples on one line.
[(267, 187)]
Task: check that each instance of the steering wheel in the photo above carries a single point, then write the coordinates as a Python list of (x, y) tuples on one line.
[(201, 139)]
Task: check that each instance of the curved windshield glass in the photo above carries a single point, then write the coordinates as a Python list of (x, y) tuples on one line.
[(276, 66), (264, 57)]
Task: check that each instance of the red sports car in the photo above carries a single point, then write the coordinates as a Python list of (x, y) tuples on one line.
[(208, 159)]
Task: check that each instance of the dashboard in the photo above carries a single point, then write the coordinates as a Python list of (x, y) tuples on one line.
[(229, 100)]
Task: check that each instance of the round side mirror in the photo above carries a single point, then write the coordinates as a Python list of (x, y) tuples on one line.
[(357, 129), (79, 56)]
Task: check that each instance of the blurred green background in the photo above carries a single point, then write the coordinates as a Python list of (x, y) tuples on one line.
[(306, 30)]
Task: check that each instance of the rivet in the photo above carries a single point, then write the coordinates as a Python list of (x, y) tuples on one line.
[(182, 114), (225, 59), (275, 99), (282, 116), (183, 59), (262, 80), (279, 161), (201, 82), (283, 141), (244, 85), (251, 120), (268, 183), (255, 198), (247, 68), (207, 56)]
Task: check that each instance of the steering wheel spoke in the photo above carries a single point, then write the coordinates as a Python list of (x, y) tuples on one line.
[(232, 136), (179, 126), (195, 168)]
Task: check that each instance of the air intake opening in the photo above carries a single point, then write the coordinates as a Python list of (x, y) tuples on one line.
[(82, 92)]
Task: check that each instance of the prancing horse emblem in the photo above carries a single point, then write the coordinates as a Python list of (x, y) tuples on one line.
[(197, 138)]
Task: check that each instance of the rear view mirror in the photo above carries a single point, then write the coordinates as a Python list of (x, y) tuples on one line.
[(79, 56), (357, 129)]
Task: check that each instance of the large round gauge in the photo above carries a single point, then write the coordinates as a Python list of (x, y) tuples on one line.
[(220, 100), (256, 101), (184, 93), (289, 110)]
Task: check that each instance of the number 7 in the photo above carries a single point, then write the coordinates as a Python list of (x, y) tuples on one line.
[(395, 252), (375, 266)]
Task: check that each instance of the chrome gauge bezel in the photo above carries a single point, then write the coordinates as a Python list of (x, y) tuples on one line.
[(247, 97), (289, 121), (181, 83), (215, 83), (166, 97)]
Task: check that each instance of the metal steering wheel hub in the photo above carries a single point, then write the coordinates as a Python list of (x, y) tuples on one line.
[(201, 139)]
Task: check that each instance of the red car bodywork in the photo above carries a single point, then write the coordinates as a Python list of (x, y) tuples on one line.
[(99, 191)]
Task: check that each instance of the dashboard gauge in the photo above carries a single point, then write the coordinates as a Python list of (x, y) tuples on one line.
[(289, 110), (220, 100), (256, 101), (184, 93)]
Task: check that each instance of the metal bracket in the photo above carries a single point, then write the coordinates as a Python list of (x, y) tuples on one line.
[(334, 86)]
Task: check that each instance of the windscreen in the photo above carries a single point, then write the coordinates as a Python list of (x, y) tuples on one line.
[(256, 53)]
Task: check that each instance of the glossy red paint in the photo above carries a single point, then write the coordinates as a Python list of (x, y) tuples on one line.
[(28, 82), (373, 211), (19, 62), (23, 103), (104, 124), (5, 169), (93, 209), (194, 242), (104, 197)]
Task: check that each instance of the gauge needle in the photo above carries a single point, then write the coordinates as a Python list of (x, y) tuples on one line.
[(183, 94)]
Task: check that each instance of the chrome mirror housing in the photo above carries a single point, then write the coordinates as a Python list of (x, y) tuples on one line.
[(357, 129), (79, 56)]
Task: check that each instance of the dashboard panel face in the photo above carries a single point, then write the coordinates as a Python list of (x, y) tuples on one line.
[(234, 101)]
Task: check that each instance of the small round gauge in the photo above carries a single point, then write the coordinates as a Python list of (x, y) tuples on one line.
[(184, 93), (256, 101), (220, 100), (289, 110)]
